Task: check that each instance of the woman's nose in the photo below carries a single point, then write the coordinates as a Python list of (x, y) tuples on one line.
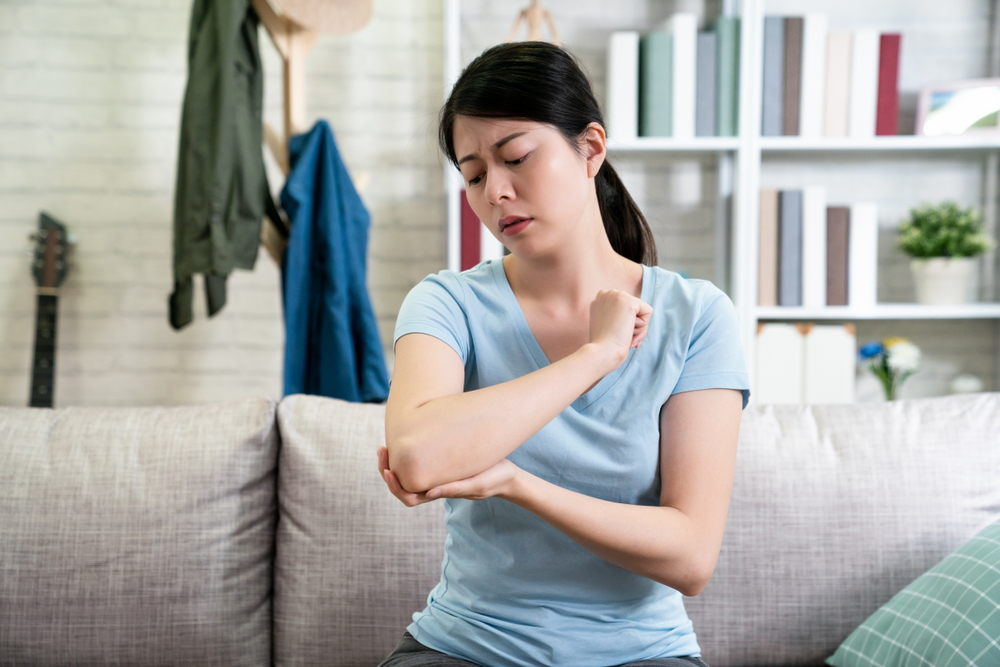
[(498, 187)]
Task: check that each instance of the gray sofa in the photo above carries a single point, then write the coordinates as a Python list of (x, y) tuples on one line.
[(250, 533)]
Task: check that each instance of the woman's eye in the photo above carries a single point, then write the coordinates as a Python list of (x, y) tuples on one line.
[(475, 180), (518, 160)]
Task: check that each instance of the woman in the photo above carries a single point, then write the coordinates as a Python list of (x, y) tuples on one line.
[(586, 475)]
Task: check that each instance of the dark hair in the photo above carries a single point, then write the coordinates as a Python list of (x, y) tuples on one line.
[(541, 82)]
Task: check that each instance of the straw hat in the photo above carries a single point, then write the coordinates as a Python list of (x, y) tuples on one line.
[(336, 17)]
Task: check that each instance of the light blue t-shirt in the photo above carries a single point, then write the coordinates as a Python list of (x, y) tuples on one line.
[(514, 590)]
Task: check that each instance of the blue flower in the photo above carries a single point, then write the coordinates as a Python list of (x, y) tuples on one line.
[(870, 350)]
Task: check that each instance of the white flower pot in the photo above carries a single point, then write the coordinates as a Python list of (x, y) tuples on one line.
[(942, 280)]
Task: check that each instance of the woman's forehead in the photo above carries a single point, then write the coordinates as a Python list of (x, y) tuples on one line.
[(489, 134)]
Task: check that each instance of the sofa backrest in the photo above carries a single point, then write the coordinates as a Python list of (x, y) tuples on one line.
[(137, 536), (835, 508), (353, 563)]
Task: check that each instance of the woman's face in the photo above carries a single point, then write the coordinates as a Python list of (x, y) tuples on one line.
[(517, 170)]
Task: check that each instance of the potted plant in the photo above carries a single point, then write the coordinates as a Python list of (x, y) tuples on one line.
[(943, 241)]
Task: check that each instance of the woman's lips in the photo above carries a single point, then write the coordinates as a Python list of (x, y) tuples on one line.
[(511, 230)]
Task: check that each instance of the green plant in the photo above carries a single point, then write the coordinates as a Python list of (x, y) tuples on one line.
[(943, 230)]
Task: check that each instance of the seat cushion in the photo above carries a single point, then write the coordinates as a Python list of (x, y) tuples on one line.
[(353, 563), (835, 509), (137, 536)]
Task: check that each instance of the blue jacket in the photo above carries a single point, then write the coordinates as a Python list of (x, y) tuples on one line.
[(332, 343)]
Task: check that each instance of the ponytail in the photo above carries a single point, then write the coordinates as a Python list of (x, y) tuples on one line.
[(627, 229)]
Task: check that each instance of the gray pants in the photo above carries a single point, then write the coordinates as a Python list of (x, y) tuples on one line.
[(411, 653)]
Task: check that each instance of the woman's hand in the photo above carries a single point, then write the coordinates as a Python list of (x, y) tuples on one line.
[(618, 322), (496, 480)]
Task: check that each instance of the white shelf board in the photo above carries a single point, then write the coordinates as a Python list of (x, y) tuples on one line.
[(695, 145), (882, 311), (963, 142)]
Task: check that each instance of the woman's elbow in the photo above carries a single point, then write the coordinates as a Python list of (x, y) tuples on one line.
[(406, 465)]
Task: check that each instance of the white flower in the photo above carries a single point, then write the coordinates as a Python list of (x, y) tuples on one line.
[(903, 356), (966, 383)]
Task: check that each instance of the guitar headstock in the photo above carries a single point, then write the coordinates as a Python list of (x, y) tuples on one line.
[(49, 266)]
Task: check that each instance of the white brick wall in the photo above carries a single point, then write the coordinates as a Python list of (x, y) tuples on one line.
[(90, 95)]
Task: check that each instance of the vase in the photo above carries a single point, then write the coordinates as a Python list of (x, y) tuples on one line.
[(942, 280)]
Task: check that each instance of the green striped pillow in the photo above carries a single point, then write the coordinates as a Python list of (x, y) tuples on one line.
[(948, 617)]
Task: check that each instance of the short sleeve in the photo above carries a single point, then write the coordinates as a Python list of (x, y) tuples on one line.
[(434, 307), (715, 354)]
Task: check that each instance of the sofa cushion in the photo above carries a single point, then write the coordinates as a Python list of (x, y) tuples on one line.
[(353, 563), (836, 508), (949, 616), (137, 536)]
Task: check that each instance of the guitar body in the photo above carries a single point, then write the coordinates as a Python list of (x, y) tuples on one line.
[(49, 270)]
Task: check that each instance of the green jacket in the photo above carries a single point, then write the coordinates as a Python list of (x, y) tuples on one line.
[(221, 184)]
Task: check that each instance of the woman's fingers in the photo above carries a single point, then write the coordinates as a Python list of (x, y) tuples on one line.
[(391, 481)]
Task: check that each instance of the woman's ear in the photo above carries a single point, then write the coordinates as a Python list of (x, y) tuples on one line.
[(595, 143)]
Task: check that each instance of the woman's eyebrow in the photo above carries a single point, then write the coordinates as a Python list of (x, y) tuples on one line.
[(473, 156)]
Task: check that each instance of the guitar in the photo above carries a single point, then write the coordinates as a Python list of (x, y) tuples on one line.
[(49, 269)]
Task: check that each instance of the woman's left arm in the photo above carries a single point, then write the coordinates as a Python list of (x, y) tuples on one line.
[(677, 543)]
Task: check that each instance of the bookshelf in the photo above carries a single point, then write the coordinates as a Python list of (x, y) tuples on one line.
[(749, 161)]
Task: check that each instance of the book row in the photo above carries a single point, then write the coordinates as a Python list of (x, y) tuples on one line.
[(815, 255), (805, 363), (674, 81), (818, 82)]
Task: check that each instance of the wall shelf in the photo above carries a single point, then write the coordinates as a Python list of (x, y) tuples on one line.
[(882, 311)]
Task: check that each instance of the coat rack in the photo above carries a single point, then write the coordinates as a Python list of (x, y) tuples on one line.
[(293, 26)]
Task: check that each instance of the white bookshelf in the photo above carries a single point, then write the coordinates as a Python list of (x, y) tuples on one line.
[(742, 159)]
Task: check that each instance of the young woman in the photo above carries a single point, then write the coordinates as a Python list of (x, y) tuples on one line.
[(577, 406)]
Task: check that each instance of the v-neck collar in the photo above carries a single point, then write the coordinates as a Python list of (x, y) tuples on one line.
[(534, 350)]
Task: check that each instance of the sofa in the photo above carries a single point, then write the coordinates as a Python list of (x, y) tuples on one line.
[(254, 533)]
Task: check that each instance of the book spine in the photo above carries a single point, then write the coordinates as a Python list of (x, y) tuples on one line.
[(471, 251), (706, 84), (813, 84), (864, 83), (684, 29), (863, 285), (790, 248), (814, 247), (838, 84), (655, 76), (767, 265), (622, 100), (886, 122), (772, 96), (728, 30), (838, 236), (792, 76)]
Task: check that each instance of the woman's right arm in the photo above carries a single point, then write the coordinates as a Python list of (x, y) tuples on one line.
[(437, 433)]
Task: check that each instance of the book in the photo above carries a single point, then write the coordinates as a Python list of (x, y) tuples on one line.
[(727, 30), (772, 93), (706, 85), (767, 265), (471, 246), (814, 246), (622, 89), (813, 85), (790, 248), (838, 237), (656, 72), (837, 96), (864, 83), (829, 363), (779, 372), (863, 256), (887, 114), (683, 27), (793, 76)]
